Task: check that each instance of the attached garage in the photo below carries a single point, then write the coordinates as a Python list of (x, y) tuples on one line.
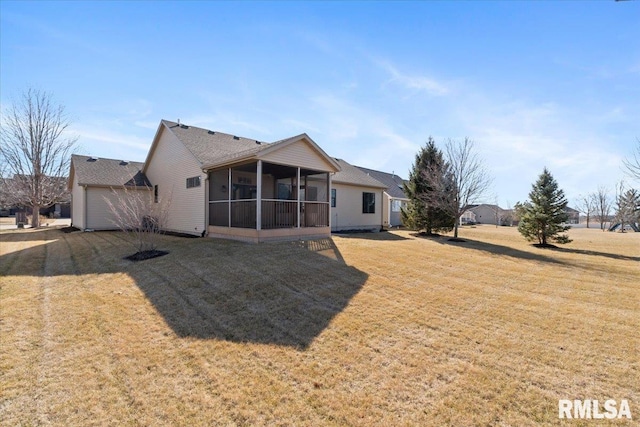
[(91, 180)]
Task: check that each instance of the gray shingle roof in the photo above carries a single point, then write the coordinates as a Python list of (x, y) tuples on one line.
[(212, 148), (209, 147), (108, 172), (350, 174), (392, 181)]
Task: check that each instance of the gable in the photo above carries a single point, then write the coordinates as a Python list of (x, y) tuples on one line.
[(299, 153)]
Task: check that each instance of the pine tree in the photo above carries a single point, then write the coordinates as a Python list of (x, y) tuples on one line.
[(429, 166), (543, 217)]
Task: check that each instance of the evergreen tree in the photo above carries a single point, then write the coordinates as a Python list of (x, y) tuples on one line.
[(429, 168), (543, 217)]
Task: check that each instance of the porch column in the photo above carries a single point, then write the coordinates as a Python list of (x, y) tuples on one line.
[(328, 200), (298, 192), (229, 200), (259, 196)]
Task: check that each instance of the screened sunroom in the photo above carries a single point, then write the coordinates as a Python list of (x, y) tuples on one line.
[(260, 200)]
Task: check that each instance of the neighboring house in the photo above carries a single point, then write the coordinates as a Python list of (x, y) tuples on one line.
[(574, 215), (484, 214), (356, 200), (393, 197), (9, 205), (92, 179)]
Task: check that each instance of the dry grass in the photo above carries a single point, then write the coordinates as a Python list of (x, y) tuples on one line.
[(383, 329)]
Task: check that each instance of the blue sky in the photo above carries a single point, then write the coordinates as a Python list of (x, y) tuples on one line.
[(534, 84)]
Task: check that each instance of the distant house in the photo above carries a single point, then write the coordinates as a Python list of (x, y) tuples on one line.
[(393, 197), (10, 187), (91, 180), (485, 214), (574, 215)]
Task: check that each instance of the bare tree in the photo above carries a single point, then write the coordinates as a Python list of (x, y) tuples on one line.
[(136, 213), (632, 165), (467, 180), (35, 152), (587, 205), (602, 205)]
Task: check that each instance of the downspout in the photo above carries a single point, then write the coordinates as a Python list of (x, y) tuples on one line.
[(84, 206)]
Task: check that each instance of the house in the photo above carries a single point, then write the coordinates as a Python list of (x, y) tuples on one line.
[(394, 198), (91, 180), (485, 214), (574, 215), (223, 185), (227, 186), (356, 200)]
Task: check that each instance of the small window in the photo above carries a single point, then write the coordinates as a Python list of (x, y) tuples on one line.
[(368, 203), (193, 182), (396, 205), (155, 193), (333, 197)]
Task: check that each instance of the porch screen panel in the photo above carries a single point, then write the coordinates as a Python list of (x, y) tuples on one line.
[(315, 209), (219, 198)]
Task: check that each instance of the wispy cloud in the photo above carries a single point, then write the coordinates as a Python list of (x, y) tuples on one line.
[(420, 83)]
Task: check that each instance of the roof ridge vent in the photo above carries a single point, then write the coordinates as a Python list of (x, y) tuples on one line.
[(258, 142), (184, 127), (236, 137), (211, 132), (123, 163), (92, 159)]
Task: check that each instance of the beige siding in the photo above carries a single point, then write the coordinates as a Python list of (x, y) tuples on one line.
[(348, 214), (99, 215), (299, 154), (169, 168), (77, 205), (386, 210)]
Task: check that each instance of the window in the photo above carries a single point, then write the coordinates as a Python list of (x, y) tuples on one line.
[(333, 197), (396, 205), (284, 191), (368, 202), (193, 182), (155, 193)]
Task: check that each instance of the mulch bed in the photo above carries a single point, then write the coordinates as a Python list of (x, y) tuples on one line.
[(545, 246), (69, 229), (141, 256)]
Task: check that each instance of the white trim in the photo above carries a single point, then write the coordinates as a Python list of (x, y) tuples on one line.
[(298, 193), (259, 195)]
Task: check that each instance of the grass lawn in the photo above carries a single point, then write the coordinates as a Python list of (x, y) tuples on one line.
[(379, 329)]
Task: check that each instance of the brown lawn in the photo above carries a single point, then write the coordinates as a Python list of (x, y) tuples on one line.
[(380, 329)]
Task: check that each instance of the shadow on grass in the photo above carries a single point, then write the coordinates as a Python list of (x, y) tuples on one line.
[(492, 248), (596, 253), (277, 293), (378, 236)]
